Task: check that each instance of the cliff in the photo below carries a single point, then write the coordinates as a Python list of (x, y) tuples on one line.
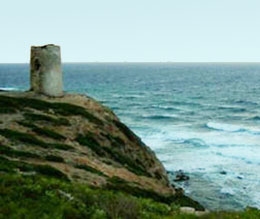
[(76, 139)]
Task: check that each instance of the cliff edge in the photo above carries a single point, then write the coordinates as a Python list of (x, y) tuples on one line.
[(77, 139)]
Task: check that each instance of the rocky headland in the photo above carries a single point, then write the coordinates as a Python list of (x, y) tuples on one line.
[(77, 139)]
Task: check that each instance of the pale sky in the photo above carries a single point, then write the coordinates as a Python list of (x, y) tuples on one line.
[(132, 30)]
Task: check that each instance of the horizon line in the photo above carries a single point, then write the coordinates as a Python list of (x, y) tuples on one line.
[(144, 62)]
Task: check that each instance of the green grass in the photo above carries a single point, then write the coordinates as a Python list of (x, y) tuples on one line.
[(42, 197), (11, 166), (54, 158), (22, 137), (89, 169), (43, 131), (116, 183), (39, 196), (26, 138), (7, 110), (4, 150), (128, 133), (64, 109), (33, 117), (90, 141), (127, 162), (59, 146)]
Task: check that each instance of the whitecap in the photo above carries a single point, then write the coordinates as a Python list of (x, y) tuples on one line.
[(227, 191), (8, 89), (196, 142), (224, 127), (232, 128)]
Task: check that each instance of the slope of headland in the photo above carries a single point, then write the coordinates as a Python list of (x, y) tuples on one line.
[(75, 139)]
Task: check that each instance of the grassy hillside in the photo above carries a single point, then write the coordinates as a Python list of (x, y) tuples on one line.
[(42, 196), (72, 158)]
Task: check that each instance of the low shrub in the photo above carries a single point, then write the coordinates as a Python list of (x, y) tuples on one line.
[(4, 150), (7, 110), (89, 169), (22, 137), (54, 158), (127, 162), (32, 117), (11, 166), (89, 141), (116, 183), (120, 206), (64, 109), (59, 146), (67, 109), (50, 171), (128, 133), (42, 131), (31, 140)]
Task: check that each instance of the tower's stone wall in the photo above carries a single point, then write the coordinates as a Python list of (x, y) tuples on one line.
[(46, 73)]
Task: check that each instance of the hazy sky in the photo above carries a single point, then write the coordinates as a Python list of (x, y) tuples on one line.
[(132, 30)]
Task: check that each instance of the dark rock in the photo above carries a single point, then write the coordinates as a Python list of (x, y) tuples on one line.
[(180, 176), (223, 172)]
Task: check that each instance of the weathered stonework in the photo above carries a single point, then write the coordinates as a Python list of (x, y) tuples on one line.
[(46, 73)]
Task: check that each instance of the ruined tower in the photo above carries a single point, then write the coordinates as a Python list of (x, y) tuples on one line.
[(46, 74)]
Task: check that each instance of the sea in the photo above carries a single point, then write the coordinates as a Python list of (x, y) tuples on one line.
[(200, 118)]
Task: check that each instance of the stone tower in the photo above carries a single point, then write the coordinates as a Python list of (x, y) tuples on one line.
[(46, 74)]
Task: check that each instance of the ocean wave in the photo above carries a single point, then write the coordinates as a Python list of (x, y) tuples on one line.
[(245, 102), (159, 117), (224, 127), (232, 109), (197, 142), (227, 191), (186, 103), (166, 108), (255, 118), (231, 128), (8, 89), (128, 96)]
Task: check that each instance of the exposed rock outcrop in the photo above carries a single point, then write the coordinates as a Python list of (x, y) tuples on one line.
[(77, 138)]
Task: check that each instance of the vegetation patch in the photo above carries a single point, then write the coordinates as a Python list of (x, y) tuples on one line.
[(127, 162), (22, 137), (4, 150), (115, 140), (89, 141), (43, 131), (43, 197), (128, 133), (67, 109), (64, 147), (32, 117), (7, 110), (64, 109), (31, 140), (89, 169), (54, 158), (50, 171), (116, 183), (11, 166), (113, 153)]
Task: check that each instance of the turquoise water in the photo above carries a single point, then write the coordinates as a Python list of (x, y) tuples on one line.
[(202, 118)]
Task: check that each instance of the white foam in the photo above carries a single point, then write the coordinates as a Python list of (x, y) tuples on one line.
[(232, 128), (235, 152), (224, 127), (8, 88), (227, 190)]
